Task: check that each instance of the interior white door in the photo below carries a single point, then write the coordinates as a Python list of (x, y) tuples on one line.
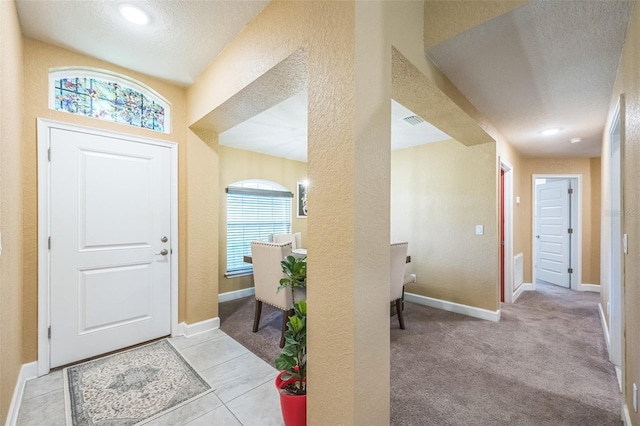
[(616, 268), (553, 257), (110, 283)]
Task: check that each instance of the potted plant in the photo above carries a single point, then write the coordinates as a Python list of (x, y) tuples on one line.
[(292, 380)]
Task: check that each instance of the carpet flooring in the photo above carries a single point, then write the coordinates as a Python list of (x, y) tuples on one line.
[(544, 363)]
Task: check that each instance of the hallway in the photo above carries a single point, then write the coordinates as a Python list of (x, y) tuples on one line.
[(544, 363)]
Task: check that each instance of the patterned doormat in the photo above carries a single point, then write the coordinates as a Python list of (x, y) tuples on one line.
[(130, 387)]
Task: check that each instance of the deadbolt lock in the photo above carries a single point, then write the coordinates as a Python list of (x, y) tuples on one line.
[(164, 239)]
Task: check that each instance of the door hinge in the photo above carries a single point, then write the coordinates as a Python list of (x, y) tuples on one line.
[(570, 230), (49, 243), (49, 154), (570, 191), (570, 270), (49, 332)]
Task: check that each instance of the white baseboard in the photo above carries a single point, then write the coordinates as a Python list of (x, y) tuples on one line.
[(445, 305), (626, 417), (188, 330), (27, 372), (523, 287), (605, 328), (238, 294), (589, 287)]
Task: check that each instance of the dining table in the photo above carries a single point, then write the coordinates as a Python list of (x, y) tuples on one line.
[(298, 253)]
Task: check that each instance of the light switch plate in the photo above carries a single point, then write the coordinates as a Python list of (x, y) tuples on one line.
[(635, 397), (479, 230), (625, 245)]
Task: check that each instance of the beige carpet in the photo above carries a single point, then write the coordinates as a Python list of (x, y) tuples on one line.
[(544, 363)]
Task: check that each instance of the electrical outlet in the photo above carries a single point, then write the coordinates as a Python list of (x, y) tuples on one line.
[(479, 230), (635, 397)]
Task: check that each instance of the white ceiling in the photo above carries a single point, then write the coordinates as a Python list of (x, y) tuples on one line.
[(282, 130), (545, 64), (182, 38)]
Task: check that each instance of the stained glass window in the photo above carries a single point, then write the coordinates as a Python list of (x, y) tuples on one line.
[(108, 99)]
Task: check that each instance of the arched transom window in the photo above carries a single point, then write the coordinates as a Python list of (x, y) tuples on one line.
[(107, 96)]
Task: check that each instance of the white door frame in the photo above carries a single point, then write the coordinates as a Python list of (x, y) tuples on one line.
[(508, 231), (576, 221), (616, 319), (43, 138)]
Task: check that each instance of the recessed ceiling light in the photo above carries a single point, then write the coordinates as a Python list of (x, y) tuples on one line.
[(550, 132), (575, 140), (133, 14)]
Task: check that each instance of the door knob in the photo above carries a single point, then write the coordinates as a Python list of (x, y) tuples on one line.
[(164, 252)]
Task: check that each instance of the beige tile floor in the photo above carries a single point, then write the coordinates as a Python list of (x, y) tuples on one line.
[(244, 391)]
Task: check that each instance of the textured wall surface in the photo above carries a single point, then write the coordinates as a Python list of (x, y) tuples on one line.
[(439, 193), (349, 148), (38, 59), (418, 84), (11, 68), (511, 156), (596, 220), (202, 232), (446, 19), (627, 82), (237, 165), (560, 166)]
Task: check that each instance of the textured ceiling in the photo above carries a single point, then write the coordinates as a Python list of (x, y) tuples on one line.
[(180, 41), (281, 130), (546, 64)]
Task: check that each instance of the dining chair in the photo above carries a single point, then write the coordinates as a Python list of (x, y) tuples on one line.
[(267, 272), (396, 279), (294, 239)]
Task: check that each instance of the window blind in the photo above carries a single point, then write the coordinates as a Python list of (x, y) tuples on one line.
[(253, 214)]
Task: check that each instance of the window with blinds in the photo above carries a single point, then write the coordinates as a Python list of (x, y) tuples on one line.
[(255, 210)]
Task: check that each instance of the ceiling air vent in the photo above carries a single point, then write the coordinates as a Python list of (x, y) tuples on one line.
[(413, 120)]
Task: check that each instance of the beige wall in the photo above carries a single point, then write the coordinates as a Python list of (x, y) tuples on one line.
[(201, 292), (627, 83), (507, 153), (11, 105), (237, 165), (439, 193), (596, 220), (559, 166), (39, 58), (349, 83)]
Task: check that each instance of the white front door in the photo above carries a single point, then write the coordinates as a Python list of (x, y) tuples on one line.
[(110, 220), (553, 258)]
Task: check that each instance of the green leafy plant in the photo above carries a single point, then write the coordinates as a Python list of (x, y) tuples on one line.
[(296, 270), (293, 357)]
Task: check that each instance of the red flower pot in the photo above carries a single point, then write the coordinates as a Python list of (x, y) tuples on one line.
[(294, 407)]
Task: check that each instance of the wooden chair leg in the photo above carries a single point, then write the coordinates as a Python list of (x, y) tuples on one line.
[(285, 319), (400, 313), (256, 316)]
